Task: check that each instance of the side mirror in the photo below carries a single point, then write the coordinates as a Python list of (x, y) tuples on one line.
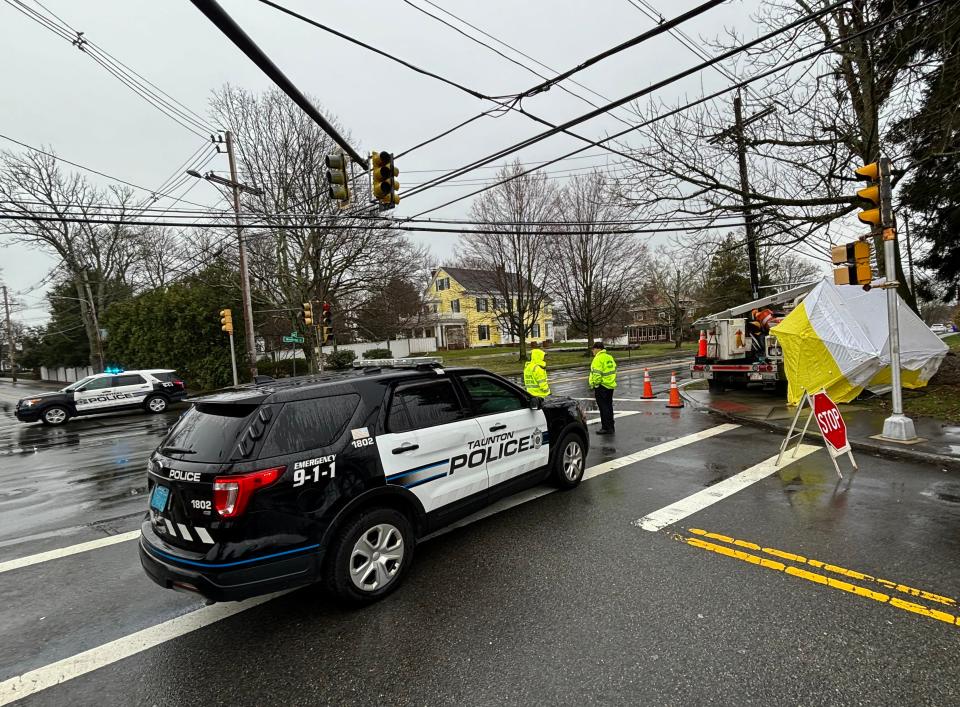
[(536, 403)]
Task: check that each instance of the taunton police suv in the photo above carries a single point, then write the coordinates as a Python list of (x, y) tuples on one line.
[(151, 390), (335, 477)]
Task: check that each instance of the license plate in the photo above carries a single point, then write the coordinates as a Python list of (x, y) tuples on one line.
[(158, 501)]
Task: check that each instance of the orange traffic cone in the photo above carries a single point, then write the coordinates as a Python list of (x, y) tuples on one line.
[(702, 349), (675, 401), (647, 386)]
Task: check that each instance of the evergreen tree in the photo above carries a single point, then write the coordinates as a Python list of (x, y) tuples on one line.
[(727, 280)]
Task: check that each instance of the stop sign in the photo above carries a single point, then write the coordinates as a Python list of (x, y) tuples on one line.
[(831, 423)]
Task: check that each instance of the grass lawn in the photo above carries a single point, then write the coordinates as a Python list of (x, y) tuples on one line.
[(506, 359)]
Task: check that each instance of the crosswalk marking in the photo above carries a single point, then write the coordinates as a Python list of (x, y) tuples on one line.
[(67, 551)]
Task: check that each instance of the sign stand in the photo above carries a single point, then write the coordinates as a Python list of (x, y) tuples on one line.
[(831, 424)]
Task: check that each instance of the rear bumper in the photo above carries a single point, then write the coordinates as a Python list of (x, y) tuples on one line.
[(226, 581)]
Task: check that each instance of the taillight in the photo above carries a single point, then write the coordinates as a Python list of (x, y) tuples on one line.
[(231, 494), (179, 384)]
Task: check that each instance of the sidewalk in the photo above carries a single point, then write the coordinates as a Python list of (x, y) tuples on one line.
[(27, 384), (941, 443)]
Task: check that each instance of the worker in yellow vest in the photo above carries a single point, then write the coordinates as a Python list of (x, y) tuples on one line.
[(603, 380), (535, 374)]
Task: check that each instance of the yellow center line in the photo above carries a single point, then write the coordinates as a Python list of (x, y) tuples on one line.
[(815, 577), (835, 569)]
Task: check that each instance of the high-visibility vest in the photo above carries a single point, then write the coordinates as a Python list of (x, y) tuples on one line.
[(603, 371), (535, 375)]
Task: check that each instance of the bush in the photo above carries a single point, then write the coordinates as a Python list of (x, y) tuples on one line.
[(282, 368), (378, 353), (339, 360)]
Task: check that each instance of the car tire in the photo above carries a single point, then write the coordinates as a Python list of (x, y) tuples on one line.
[(570, 462), (156, 404), (370, 556), (54, 415), (715, 385)]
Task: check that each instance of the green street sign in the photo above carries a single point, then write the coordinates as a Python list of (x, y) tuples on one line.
[(293, 339)]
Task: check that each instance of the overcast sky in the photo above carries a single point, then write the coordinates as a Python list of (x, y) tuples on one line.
[(57, 97)]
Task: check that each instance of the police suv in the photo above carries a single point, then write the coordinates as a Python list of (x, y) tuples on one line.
[(335, 477), (151, 390)]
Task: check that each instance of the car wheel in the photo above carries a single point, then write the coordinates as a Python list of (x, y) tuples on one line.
[(570, 462), (156, 404), (55, 415), (370, 556)]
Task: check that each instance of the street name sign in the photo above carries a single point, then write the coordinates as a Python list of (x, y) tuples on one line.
[(294, 338)]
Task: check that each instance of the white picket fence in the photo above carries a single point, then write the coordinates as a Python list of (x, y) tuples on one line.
[(400, 348), (65, 374)]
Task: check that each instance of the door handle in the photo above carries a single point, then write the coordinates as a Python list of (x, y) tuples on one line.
[(406, 447), (497, 428)]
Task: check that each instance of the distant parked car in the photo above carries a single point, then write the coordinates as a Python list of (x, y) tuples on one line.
[(939, 328), (151, 390)]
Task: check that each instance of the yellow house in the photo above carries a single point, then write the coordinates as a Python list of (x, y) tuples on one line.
[(467, 310)]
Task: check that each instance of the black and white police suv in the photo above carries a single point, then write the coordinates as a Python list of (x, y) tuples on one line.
[(335, 477), (151, 390)]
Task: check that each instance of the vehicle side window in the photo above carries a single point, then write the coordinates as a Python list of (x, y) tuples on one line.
[(129, 379), (419, 405), (98, 384), (488, 395), (164, 376), (308, 424)]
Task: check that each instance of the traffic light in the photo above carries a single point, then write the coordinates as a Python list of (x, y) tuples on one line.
[(326, 324), (854, 259), (878, 193), (386, 188), (337, 177), (308, 313), (226, 320)]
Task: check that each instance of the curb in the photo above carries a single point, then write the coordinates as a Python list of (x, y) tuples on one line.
[(878, 450)]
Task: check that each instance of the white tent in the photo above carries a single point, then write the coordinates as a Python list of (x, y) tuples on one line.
[(838, 339)]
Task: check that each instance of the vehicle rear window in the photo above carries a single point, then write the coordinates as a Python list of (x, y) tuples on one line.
[(164, 376), (129, 379), (210, 431), (419, 405), (308, 424)]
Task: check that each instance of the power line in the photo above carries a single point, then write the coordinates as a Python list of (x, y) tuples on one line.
[(630, 97)]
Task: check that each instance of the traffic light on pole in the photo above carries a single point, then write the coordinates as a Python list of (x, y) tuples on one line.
[(308, 313), (326, 323), (878, 193), (854, 259), (386, 188), (226, 321), (338, 178)]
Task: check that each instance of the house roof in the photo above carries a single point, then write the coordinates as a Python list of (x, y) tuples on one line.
[(481, 281)]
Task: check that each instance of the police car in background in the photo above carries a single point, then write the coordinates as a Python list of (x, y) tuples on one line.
[(333, 478), (152, 390)]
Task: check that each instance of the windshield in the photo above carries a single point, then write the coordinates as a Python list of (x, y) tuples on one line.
[(74, 386), (208, 432)]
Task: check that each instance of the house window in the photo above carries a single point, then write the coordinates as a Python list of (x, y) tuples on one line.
[(443, 283), (493, 303), (481, 304), (455, 306), (483, 332), (535, 332)]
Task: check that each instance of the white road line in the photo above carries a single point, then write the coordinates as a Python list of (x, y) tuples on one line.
[(633, 400), (21, 686), (18, 687), (669, 515), (657, 449), (622, 413), (67, 551)]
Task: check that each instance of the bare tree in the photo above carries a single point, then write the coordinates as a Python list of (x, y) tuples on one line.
[(99, 260), (597, 271), (312, 250), (672, 284), (818, 121), (510, 245)]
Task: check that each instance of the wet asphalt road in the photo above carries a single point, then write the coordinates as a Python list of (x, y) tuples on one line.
[(807, 590)]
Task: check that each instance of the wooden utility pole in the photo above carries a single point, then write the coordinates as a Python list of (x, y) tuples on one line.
[(10, 343), (745, 198), (244, 272)]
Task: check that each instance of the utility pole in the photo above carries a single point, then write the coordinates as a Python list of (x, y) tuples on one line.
[(244, 272), (745, 197), (10, 343)]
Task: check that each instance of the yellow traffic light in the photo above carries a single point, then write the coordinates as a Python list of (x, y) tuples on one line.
[(880, 215), (337, 177), (855, 261), (383, 178), (308, 313), (226, 320), (869, 171)]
